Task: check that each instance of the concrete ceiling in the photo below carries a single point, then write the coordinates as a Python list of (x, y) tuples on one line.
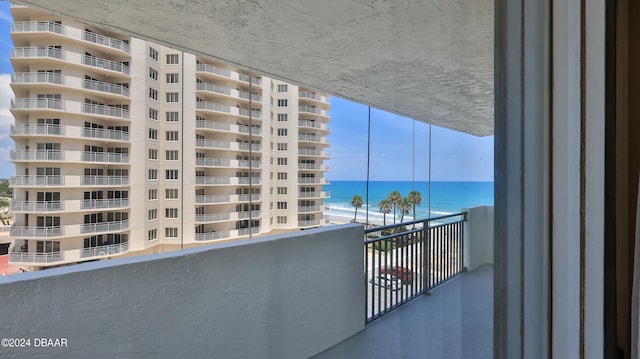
[(430, 60)]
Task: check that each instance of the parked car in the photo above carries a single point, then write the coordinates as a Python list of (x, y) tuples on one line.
[(402, 273), (387, 281)]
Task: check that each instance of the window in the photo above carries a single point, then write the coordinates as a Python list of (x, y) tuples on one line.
[(282, 117), (153, 174), (153, 214), (172, 116), (282, 146), (282, 175), (282, 205), (171, 193), (282, 190), (282, 161), (173, 59), (153, 114), (282, 220), (153, 73), (171, 232), (171, 174), (153, 94), (153, 154), (282, 88), (172, 136), (173, 78), (172, 97), (171, 155), (153, 234), (282, 102), (170, 213), (153, 53), (153, 194), (282, 132), (153, 134)]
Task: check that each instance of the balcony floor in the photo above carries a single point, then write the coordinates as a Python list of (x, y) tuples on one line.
[(454, 321)]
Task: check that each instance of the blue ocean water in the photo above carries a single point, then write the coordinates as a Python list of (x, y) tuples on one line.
[(446, 197)]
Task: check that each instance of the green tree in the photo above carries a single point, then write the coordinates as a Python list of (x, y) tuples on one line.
[(394, 197), (356, 201), (5, 189), (385, 208), (404, 207), (415, 198)]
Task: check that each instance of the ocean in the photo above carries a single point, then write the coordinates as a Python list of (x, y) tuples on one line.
[(446, 198)]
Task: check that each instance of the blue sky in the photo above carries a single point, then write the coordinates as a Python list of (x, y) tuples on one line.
[(394, 144)]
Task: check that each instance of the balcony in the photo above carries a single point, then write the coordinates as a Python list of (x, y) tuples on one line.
[(114, 89), (67, 205), (37, 104), (105, 134), (226, 109), (36, 206), (105, 41), (312, 167), (312, 109), (112, 203), (226, 145), (313, 124), (37, 52), (67, 256), (35, 232), (109, 65), (313, 180), (38, 78), (226, 127), (311, 152), (37, 181), (37, 26), (117, 181), (39, 129), (105, 157), (226, 181), (311, 222), (316, 208), (102, 110), (317, 311), (323, 194), (115, 226), (226, 198), (226, 73), (226, 216), (309, 137), (23, 155)]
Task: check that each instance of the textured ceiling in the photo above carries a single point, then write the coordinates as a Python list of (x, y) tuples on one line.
[(431, 60)]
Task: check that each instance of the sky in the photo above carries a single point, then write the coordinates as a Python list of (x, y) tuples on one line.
[(399, 146)]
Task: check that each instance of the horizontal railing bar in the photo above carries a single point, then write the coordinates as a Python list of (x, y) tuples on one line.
[(390, 226)]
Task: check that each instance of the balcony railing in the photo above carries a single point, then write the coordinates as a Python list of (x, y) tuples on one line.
[(311, 152), (105, 110), (38, 77), (105, 64), (36, 155), (313, 166), (105, 227), (406, 260), (316, 208), (205, 86), (105, 87), (254, 80), (226, 145), (209, 180), (105, 41), (36, 206), (105, 203), (106, 134), (212, 217), (245, 112), (32, 257), (311, 95), (310, 109), (214, 70), (245, 95), (31, 52), (105, 180), (205, 105), (38, 26), (39, 181), (36, 232), (39, 129), (105, 157), (105, 250), (37, 103), (312, 194), (313, 180), (310, 222), (210, 236)]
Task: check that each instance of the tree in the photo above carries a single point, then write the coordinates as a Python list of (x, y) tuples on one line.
[(5, 189), (356, 201), (404, 206), (415, 198), (394, 197), (385, 208)]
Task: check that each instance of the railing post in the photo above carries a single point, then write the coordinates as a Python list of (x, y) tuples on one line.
[(425, 256)]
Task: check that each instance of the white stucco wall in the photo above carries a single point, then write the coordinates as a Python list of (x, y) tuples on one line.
[(478, 237), (285, 296)]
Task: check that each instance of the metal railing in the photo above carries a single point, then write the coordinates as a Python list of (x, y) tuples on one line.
[(245, 112), (205, 86), (38, 129), (247, 231), (105, 226), (36, 155), (104, 203), (37, 103), (105, 250), (213, 69), (40, 181), (310, 109), (406, 260), (105, 64), (32, 257), (105, 157), (105, 110), (209, 236), (38, 77), (106, 134), (105, 180), (31, 232), (312, 166), (105, 41), (311, 95), (36, 206), (254, 80), (212, 106), (37, 26), (27, 52), (105, 87)]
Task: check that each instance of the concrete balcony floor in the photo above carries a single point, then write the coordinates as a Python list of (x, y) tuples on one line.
[(454, 321)]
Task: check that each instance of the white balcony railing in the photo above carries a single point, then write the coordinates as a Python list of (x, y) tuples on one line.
[(205, 86), (212, 217), (226, 145), (312, 124), (310, 95), (37, 77), (37, 103), (210, 236), (36, 206), (105, 110), (311, 152), (105, 203), (36, 155), (105, 41), (105, 250), (313, 166), (245, 112), (314, 194), (310, 109), (39, 129), (205, 105), (247, 231), (70, 255), (37, 258), (316, 208), (222, 126), (33, 52), (105, 64), (313, 180), (310, 222), (36, 232), (105, 227), (36, 181), (37, 26), (211, 181), (105, 181), (116, 89), (214, 70), (226, 198), (312, 138), (105, 134), (105, 157)]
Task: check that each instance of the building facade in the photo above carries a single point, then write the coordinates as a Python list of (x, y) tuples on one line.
[(125, 147)]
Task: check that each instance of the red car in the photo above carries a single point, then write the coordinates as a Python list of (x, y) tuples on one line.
[(402, 273)]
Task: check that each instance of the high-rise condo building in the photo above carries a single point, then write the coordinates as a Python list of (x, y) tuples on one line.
[(125, 147)]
